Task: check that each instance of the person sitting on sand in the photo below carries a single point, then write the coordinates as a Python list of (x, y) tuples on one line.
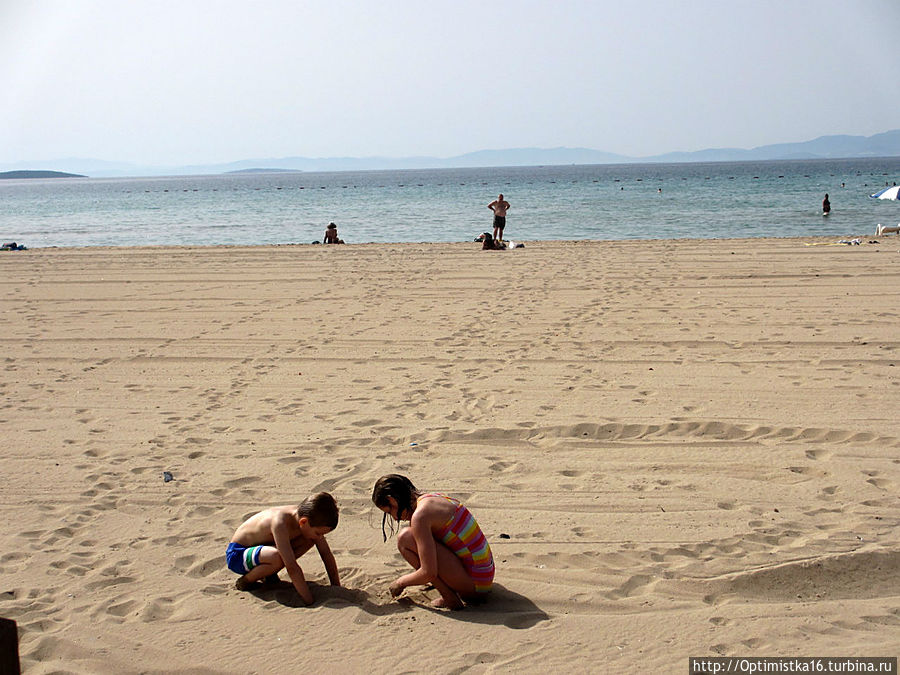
[(491, 244), (275, 538), (443, 543), (331, 235)]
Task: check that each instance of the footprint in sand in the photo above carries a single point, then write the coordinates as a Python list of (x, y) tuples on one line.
[(880, 483), (159, 609), (122, 609), (637, 584)]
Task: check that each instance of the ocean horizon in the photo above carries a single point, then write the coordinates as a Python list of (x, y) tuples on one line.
[(595, 202)]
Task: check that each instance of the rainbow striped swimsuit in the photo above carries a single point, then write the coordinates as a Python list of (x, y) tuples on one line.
[(462, 535)]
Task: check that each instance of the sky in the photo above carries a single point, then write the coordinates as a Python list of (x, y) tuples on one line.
[(197, 81)]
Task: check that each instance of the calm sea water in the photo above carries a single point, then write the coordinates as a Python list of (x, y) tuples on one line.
[(599, 202)]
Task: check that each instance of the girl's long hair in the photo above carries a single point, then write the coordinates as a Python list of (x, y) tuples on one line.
[(401, 489)]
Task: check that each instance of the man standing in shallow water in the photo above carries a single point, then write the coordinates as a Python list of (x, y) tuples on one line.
[(499, 206)]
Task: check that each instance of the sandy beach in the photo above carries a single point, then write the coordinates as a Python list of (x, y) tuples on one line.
[(675, 448)]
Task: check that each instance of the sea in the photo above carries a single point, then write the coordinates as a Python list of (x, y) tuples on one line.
[(591, 202)]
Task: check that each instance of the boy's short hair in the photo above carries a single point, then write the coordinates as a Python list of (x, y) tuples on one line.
[(320, 509)]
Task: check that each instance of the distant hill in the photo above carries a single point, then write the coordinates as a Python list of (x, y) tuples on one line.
[(39, 174), (536, 157), (266, 171), (885, 144)]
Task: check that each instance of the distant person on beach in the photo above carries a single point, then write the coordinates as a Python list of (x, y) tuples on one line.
[(443, 542), (826, 205), (331, 235), (273, 539), (488, 243), (499, 206)]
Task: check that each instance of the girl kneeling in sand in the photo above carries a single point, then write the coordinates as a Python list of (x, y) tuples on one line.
[(443, 543)]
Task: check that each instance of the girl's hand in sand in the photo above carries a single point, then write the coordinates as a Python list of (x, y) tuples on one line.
[(396, 589)]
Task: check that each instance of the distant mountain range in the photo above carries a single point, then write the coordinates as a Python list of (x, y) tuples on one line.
[(886, 144)]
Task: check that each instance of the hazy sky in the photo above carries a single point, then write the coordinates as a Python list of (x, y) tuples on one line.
[(213, 81)]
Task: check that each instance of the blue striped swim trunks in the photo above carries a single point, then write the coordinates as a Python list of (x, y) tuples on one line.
[(240, 559)]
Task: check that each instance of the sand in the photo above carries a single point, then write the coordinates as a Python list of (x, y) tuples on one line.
[(675, 448)]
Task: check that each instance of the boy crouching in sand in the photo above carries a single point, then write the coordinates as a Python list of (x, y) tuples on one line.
[(276, 537)]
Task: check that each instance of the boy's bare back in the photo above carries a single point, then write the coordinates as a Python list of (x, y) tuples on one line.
[(258, 529)]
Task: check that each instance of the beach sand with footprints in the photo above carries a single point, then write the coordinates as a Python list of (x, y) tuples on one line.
[(675, 448)]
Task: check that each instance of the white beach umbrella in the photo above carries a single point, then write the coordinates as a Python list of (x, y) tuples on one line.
[(888, 193)]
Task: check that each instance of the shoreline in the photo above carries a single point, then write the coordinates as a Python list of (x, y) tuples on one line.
[(690, 444), (887, 239)]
